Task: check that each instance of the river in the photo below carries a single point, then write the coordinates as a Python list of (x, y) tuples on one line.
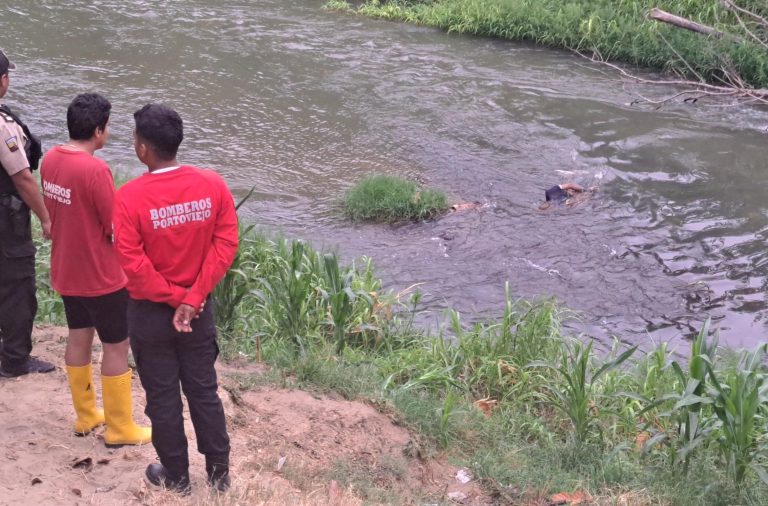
[(302, 102)]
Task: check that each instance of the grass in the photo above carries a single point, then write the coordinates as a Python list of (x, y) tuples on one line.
[(558, 417), (617, 30), (390, 199), (434, 381)]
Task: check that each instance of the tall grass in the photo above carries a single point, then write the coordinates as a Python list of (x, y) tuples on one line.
[(293, 294), (510, 392), (50, 307), (617, 30)]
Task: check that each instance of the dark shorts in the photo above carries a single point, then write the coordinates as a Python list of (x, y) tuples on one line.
[(106, 313)]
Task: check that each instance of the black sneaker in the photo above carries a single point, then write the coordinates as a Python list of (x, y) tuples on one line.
[(157, 475), (34, 364)]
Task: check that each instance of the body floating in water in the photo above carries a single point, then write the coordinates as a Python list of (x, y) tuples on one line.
[(570, 194)]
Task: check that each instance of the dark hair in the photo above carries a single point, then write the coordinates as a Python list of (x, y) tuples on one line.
[(160, 127), (5, 64), (85, 114), (556, 193)]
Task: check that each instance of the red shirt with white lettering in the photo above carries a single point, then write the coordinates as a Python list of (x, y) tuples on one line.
[(78, 191), (176, 234)]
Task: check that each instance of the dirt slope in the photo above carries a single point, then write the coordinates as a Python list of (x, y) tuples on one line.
[(288, 447)]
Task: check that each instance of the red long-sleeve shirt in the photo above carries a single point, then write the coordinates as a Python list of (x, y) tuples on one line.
[(176, 234)]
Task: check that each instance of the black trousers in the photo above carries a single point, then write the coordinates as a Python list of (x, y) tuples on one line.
[(166, 359), (18, 306)]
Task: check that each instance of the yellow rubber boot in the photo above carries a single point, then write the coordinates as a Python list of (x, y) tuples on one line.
[(118, 410), (84, 399)]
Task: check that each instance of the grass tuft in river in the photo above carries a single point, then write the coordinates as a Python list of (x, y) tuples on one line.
[(390, 199)]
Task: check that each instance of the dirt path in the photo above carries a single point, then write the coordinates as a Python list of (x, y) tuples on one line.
[(288, 447)]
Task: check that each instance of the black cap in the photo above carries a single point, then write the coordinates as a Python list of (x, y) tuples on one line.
[(5, 64)]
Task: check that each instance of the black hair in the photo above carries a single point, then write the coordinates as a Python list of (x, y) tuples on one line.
[(85, 114), (556, 193), (160, 127), (5, 64)]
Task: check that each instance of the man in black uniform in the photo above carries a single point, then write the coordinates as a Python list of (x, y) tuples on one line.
[(19, 154)]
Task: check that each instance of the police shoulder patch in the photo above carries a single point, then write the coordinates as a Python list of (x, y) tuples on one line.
[(12, 143)]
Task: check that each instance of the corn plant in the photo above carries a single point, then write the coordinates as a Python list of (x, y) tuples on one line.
[(576, 392), (340, 298), (690, 428), (655, 370), (235, 284), (289, 295), (233, 287), (737, 402)]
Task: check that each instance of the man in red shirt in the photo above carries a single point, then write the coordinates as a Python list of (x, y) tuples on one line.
[(176, 235), (78, 191)]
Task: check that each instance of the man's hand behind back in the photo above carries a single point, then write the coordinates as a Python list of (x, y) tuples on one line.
[(182, 318)]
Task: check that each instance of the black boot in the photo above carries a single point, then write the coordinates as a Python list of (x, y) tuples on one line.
[(33, 364), (158, 475), (218, 474)]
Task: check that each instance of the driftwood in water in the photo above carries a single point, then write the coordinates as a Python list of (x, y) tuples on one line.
[(671, 19)]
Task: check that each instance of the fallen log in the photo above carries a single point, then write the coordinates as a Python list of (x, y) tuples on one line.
[(680, 22)]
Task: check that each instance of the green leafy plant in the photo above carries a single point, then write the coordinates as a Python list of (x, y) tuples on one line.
[(288, 295), (690, 427), (340, 297), (444, 422), (738, 401), (235, 285), (575, 394), (50, 307), (656, 372)]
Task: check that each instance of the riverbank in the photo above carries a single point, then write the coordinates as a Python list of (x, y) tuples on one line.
[(289, 447), (507, 397), (616, 31)]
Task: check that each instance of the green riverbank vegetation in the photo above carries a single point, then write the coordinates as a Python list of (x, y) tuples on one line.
[(619, 31), (390, 199), (529, 410)]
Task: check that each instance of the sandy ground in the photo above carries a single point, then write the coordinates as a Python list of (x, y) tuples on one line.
[(288, 447)]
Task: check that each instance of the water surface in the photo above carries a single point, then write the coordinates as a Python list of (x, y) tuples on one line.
[(302, 102)]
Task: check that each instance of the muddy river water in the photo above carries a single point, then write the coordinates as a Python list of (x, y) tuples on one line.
[(302, 102)]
